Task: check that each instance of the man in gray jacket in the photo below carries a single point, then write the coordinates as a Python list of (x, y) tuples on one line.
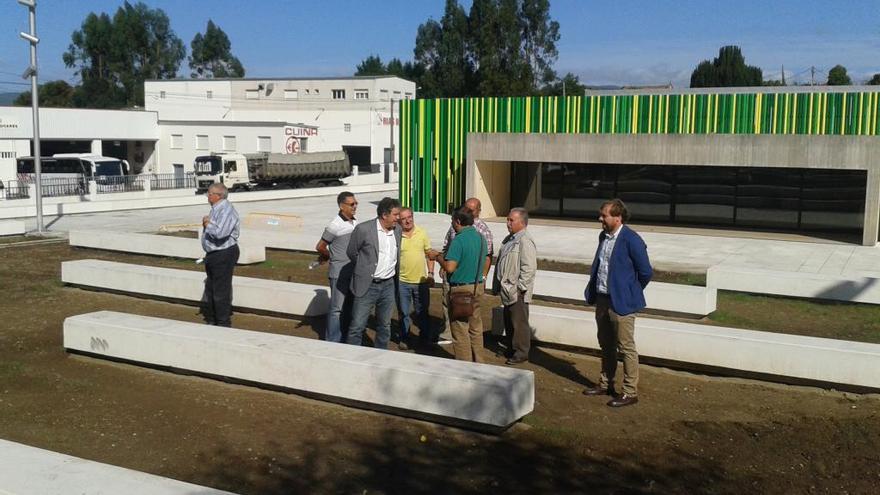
[(514, 282), (374, 251)]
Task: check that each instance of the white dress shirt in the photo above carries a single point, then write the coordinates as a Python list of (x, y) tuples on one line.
[(387, 253)]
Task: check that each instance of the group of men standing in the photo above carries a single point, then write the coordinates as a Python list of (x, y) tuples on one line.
[(388, 261)]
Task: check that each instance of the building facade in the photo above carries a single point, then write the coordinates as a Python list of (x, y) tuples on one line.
[(278, 115), (781, 159)]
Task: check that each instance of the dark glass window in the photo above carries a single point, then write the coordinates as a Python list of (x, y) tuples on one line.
[(705, 195), (585, 188), (550, 189), (833, 199), (647, 191), (768, 197)]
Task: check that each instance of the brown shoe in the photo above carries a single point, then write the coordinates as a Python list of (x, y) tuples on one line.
[(513, 360), (623, 400), (597, 390)]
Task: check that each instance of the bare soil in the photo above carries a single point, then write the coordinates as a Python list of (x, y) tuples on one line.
[(691, 433)]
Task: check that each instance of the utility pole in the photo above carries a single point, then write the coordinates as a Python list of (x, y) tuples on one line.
[(783, 74), (812, 75), (391, 140), (31, 72)]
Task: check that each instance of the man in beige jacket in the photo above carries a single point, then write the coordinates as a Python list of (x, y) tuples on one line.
[(514, 281)]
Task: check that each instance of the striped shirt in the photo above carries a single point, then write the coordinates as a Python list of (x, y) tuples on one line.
[(605, 261), (481, 227), (222, 229)]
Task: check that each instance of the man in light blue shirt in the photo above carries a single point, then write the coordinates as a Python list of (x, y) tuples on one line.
[(220, 230)]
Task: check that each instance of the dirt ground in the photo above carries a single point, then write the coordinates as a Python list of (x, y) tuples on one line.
[(691, 433)]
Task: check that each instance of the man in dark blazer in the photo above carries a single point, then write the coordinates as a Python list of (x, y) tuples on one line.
[(620, 272), (374, 251)]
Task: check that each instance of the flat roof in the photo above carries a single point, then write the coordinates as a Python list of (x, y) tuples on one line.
[(233, 79), (732, 90)]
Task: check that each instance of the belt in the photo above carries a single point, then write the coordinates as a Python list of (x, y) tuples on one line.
[(460, 284), (380, 280)]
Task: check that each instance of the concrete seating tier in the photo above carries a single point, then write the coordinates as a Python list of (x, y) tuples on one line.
[(247, 293), (851, 288), (673, 298), (28, 470), (814, 359), (157, 245), (11, 227), (443, 390)]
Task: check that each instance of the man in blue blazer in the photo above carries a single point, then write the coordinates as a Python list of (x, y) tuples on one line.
[(620, 272)]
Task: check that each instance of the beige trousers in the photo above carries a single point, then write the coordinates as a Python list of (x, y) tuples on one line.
[(467, 336), (617, 334)]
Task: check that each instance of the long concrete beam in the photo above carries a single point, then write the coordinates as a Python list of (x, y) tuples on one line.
[(254, 294), (814, 359), (851, 288), (158, 245), (12, 227), (26, 470), (442, 390)]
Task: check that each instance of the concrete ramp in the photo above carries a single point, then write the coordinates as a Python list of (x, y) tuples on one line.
[(442, 390), (793, 357), (157, 245), (28, 470), (254, 294)]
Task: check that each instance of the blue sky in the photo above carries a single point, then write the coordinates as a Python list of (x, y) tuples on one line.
[(603, 42)]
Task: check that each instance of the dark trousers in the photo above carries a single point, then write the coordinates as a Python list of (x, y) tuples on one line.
[(516, 328), (218, 286)]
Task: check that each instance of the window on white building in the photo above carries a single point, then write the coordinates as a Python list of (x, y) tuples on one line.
[(397, 95), (252, 94), (408, 95), (264, 143), (228, 143), (383, 94), (7, 154), (201, 141), (209, 94), (291, 94), (177, 141), (361, 94), (347, 127), (161, 94)]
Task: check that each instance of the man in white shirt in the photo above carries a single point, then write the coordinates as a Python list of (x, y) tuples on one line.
[(333, 247), (374, 250)]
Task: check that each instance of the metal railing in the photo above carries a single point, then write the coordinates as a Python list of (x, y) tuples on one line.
[(119, 183), (14, 189), (172, 181), (53, 187)]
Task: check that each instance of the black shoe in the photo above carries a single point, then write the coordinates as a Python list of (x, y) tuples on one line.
[(516, 360), (623, 400), (597, 390)]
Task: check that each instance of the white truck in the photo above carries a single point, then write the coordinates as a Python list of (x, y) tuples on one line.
[(250, 171)]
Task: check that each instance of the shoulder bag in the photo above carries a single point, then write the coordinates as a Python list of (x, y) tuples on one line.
[(461, 304)]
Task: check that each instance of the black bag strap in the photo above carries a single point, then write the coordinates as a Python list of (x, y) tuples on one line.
[(480, 262)]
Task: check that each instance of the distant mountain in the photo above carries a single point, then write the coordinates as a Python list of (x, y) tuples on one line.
[(8, 98)]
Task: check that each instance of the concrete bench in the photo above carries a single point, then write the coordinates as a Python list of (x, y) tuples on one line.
[(850, 288), (438, 389), (28, 470), (813, 359), (157, 245), (673, 298), (12, 227), (247, 293)]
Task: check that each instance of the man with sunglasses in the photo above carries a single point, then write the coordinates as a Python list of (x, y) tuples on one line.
[(332, 247)]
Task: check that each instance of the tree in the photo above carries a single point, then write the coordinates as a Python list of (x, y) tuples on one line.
[(441, 48), (57, 94), (569, 85), (212, 55), (728, 69), (837, 76), (875, 80), (115, 56), (371, 66), (540, 35)]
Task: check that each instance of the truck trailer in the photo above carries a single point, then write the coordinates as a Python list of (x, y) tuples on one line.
[(250, 171)]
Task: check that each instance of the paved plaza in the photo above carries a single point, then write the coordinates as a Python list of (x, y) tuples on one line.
[(682, 250)]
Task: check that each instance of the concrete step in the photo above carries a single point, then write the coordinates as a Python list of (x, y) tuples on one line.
[(157, 245), (850, 288), (254, 294), (26, 470), (437, 389), (828, 361), (12, 227), (660, 296)]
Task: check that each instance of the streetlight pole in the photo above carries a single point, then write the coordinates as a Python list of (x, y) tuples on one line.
[(31, 72)]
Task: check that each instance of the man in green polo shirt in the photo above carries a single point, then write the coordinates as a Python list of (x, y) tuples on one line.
[(464, 264)]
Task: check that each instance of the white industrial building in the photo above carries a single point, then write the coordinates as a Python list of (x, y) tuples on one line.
[(187, 118)]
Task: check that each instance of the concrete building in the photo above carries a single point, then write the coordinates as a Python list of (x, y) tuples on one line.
[(277, 115), (125, 134), (801, 159)]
